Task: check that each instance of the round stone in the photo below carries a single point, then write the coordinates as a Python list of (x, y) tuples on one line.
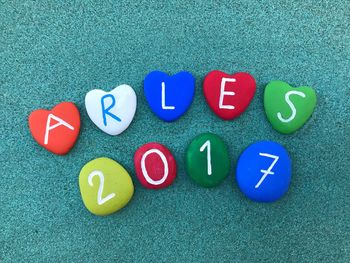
[(105, 186), (155, 166), (207, 160), (263, 171)]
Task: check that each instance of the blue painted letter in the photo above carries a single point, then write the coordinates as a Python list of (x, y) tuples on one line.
[(105, 111)]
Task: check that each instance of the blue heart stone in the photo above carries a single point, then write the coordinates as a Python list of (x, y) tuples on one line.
[(263, 171), (169, 97)]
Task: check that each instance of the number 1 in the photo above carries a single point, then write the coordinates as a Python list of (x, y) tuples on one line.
[(207, 145)]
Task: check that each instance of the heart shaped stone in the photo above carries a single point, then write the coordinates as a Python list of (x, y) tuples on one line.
[(169, 97), (288, 108), (228, 95), (112, 111), (56, 130)]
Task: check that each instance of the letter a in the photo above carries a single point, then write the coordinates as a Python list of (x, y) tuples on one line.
[(49, 128)]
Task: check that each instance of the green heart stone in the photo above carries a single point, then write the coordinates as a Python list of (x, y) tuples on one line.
[(207, 160), (288, 108)]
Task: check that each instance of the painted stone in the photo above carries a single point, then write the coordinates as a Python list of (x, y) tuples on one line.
[(56, 130), (155, 166), (288, 108), (207, 160), (169, 97), (264, 171), (112, 111), (228, 95), (105, 186)]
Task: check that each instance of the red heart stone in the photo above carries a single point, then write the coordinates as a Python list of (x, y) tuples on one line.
[(155, 166), (56, 130), (228, 95)]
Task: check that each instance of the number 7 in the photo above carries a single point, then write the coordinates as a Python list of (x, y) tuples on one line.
[(268, 171), (207, 145)]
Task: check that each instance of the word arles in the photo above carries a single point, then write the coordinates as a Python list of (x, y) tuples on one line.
[(169, 97), (263, 170)]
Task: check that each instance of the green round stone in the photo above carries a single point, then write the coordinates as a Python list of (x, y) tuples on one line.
[(207, 160)]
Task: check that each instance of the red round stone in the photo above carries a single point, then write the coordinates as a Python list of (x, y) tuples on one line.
[(228, 95), (56, 130), (155, 166)]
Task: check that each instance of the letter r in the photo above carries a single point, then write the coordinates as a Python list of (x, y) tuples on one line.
[(105, 111)]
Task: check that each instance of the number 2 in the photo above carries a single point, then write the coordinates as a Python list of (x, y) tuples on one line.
[(207, 145), (100, 200)]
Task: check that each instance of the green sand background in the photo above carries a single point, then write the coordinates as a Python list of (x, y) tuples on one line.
[(53, 52)]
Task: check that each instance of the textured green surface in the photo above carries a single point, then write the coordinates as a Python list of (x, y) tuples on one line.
[(51, 52)]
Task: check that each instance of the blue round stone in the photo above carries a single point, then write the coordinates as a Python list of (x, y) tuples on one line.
[(169, 97), (263, 171)]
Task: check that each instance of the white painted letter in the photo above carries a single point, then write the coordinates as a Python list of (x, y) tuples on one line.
[(291, 105), (227, 93), (164, 107), (144, 170), (59, 123)]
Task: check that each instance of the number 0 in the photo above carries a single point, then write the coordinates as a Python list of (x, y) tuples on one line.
[(207, 145), (144, 170)]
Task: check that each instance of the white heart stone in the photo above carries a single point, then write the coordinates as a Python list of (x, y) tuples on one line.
[(111, 111)]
